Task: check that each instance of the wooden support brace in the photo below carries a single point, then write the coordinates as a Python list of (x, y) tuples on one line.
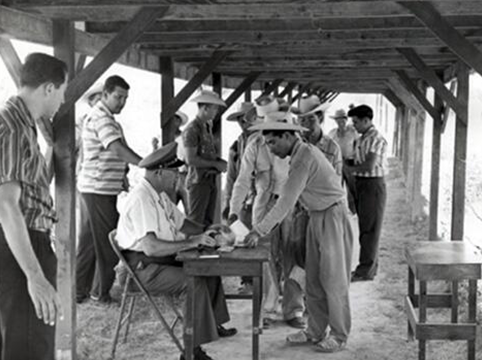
[(390, 95), (11, 59), (245, 84), (301, 92), (111, 52), (79, 66), (287, 89), (433, 80), (271, 87)]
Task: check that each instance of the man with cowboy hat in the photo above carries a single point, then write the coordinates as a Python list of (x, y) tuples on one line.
[(152, 230), (311, 115), (202, 158), (313, 181), (269, 174)]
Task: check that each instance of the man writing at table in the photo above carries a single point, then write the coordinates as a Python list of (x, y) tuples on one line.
[(329, 239), (154, 230)]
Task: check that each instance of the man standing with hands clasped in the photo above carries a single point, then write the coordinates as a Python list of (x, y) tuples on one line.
[(29, 304), (313, 181)]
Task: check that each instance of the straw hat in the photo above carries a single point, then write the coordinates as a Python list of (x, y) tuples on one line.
[(339, 114), (310, 105), (243, 109), (265, 105), (183, 117), (208, 97), (278, 120), (163, 158), (95, 89)]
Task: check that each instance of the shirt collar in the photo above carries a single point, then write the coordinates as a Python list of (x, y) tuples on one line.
[(146, 185), (18, 102), (101, 106), (368, 131)]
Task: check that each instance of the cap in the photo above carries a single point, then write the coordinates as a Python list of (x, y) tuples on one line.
[(163, 158)]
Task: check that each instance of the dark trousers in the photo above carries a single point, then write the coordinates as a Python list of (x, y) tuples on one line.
[(95, 257), (22, 335), (371, 196), (202, 200)]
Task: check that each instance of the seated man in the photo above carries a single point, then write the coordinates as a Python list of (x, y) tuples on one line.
[(152, 230)]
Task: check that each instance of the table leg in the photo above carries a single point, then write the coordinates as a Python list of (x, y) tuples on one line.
[(256, 315), (455, 301), (422, 303), (472, 316), (189, 320), (411, 295)]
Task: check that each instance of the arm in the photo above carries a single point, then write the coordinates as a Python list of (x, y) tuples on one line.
[(193, 159), (230, 175), (366, 166), (190, 227), (42, 293), (124, 152), (152, 246), (337, 159)]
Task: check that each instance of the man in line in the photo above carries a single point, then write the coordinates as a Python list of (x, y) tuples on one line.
[(345, 136), (202, 159), (29, 304), (153, 230), (102, 177), (368, 170), (313, 181)]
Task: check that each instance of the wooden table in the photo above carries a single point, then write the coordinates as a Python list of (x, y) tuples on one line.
[(240, 262), (439, 260)]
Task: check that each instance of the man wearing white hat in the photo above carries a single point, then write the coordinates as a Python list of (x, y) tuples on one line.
[(202, 158), (311, 116), (313, 181)]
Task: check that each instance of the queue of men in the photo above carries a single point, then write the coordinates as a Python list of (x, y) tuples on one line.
[(287, 181)]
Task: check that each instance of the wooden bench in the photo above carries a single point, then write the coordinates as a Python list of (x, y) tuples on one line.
[(449, 261)]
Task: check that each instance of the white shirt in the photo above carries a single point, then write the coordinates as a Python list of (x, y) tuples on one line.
[(147, 211), (280, 168)]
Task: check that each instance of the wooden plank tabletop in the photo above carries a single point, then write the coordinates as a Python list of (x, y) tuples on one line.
[(258, 254)]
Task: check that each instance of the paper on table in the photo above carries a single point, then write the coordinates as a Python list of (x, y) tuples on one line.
[(240, 230)]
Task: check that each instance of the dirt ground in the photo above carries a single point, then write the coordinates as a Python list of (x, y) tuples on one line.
[(379, 328)]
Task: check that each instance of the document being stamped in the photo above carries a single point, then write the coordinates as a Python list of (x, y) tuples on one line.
[(240, 231)]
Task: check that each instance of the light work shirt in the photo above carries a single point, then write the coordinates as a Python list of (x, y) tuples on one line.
[(346, 140), (371, 142), (147, 211)]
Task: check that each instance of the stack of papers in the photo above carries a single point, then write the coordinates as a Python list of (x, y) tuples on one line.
[(240, 231)]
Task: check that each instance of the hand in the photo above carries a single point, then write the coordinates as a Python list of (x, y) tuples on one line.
[(251, 240), (232, 218), (45, 299), (221, 165), (225, 213), (203, 239)]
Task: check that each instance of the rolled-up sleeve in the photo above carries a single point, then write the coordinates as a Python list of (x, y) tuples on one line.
[(107, 130), (11, 163)]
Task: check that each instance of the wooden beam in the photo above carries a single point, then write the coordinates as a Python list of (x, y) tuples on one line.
[(434, 81), (65, 198), (79, 66), (125, 38), (445, 117), (218, 138), (390, 95), (10, 59), (245, 85), (247, 93), (406, 96), (432, 18), (287, 89), (272, 86), (167, 94), (206, 70), (301, 91), (460, 158), (410, 86)]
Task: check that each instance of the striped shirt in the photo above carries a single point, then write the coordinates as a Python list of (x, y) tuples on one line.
[(371, 141), (102, 171), (21, 160)]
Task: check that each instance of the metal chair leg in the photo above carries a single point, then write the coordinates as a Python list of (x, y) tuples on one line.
[(120, 319), (128, 319)]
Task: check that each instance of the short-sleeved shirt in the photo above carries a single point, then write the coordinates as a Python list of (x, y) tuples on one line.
[(371, 141), (147, 211), (102, 171), (346, 140), (21, 160), (198, 134), (332, 151)]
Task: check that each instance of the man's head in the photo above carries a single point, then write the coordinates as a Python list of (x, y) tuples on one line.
[(209, 104), (280, 142), (94, 94), (240, 116), (361, 116), (340, 118), (45, 78), (115, 93), (311, 113)]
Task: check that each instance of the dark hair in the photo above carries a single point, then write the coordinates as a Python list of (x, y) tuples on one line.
[(115, 81), (41, 68), (361, 112), (277, 133)]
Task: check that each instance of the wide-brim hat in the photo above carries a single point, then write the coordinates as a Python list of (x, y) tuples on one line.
[(97, 88), (208, 97), (183, 117), (340, 113), (310, 105), (163, 158), (278, 120), (243, 109), (265, 105)]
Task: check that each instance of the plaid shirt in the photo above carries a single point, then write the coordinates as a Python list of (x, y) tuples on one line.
[(371, 141), (21, 160)]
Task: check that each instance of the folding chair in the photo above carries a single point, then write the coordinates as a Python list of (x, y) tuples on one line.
[(129, 295)]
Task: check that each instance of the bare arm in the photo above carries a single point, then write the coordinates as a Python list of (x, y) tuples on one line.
[(152, 246), (193, 159), (366, 166), (42, 293), (124, 152)]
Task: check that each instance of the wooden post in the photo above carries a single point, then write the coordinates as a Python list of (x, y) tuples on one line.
[(64, 161), (417, 202), (460, 156), (435, 170), (167, 93), (217, 132), (247, 94)]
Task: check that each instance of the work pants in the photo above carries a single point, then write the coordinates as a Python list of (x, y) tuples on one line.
[(202, 199)]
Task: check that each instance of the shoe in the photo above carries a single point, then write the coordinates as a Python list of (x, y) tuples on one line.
[(79, 299), (297, 322), (103, 300), (300, 338), (330, 345), (223, 332), (355, 278), (199, 354), (267, 322)]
